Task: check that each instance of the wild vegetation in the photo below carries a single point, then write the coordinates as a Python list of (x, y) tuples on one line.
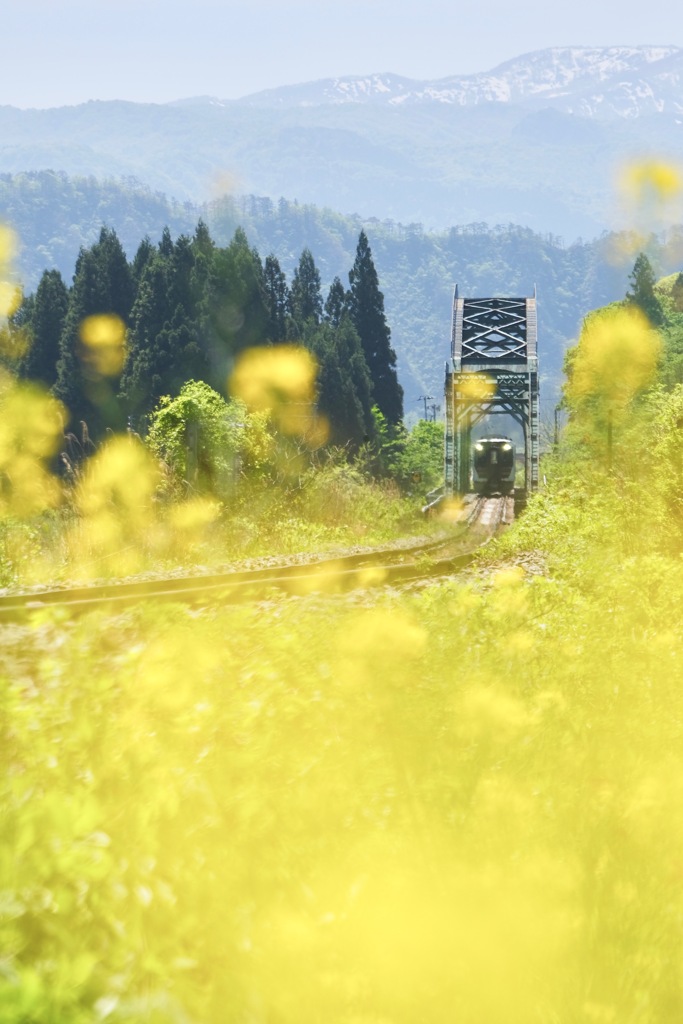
[(417, 266), (457, 803), (186, 310), (222, 412)]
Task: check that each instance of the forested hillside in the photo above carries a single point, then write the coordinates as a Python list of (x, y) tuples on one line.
[(54, 215), (125, 335)]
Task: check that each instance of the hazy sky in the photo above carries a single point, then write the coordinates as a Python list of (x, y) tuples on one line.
[(59, 52)]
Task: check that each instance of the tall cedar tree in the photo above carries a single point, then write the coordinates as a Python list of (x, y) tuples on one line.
[(343, 384), (306, 297), (677, 293), (145, 251), (45, 326), (142, 382), (642, 291), (366, 308), (336, 303), (234, 307), (164, 351), (277, 299), (103, 283)]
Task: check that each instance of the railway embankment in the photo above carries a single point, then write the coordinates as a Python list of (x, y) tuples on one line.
[(488, 764), (466, 793)]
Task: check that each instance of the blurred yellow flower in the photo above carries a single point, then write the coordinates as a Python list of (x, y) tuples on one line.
[(651, 179), (387, 633), (274, 379), (31, 428), (104, 344), (616, 357), (512, 576), (10, 298), (623, 246), (8, 244), (451, 509), (477, 387), (115, 502), (121, 475), (488, 711)]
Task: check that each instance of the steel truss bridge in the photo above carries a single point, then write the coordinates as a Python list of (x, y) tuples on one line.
[(493, 369)]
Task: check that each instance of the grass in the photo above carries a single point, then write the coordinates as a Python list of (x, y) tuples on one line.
[(455, 804), (462, 804)]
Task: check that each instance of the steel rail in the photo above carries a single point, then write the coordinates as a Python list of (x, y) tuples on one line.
[(336, 574)]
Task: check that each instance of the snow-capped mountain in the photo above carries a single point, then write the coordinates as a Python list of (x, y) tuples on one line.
[(539, 141), (613, 81)]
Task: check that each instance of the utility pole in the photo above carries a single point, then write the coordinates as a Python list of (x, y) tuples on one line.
[(435, 408), (425, 399)]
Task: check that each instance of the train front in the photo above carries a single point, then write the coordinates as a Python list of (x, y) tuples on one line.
[(493, 465)]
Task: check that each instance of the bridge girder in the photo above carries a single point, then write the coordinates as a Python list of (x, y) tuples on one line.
[(493, 369)]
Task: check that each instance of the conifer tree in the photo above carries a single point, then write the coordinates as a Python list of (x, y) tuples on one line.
[(677, 293), (48, 313), (181, 282), (366, 308), (103, 284), (642, 290), (343, 383), (234, 313), (162, 368), (277, 299), (150, 313), (143, 255), (202, 241), (336, 303), (307, 301), (116, 278), (203, 251), (166, 244)]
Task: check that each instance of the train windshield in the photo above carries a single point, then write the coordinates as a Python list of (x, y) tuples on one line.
[(493, 453)]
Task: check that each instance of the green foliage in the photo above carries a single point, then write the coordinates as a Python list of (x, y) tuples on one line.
[(366, 310), (344, 386), (44, 322), (642, 291), (459, 800), (677, 293), (164, 343), (277, 298), (103, 284), (311, 804), (55, 214), (190, 308), (419, 466), (306, 299), (336, 303), (339, 496), (199, 437)]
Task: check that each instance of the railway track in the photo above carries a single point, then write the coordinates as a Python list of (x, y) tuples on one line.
[(480, 520)]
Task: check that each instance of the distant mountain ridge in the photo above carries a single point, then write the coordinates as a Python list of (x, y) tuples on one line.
[(538, 141), (612, 81)]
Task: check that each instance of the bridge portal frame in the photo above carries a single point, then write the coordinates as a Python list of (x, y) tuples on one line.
[(493, 370)]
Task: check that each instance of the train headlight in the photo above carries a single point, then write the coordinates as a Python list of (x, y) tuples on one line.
[(507, 447), (478, 447)]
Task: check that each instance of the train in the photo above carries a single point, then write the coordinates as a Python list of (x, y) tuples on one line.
[(493, 465)]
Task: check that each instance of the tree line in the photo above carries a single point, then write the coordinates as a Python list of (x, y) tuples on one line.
[(189, 308)]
